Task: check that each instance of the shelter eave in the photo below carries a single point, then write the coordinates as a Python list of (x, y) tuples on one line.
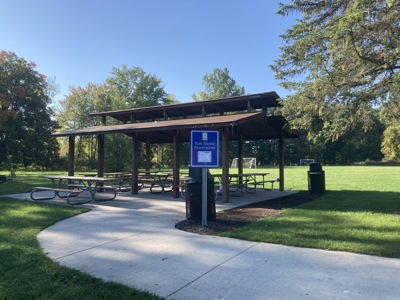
[(250, 126), (132, 129)]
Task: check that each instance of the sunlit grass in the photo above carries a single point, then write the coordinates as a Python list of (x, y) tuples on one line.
[(25, 181), (359, 213), (359, 232)]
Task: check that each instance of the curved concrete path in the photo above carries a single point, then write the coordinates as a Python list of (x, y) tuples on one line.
[(133, 241)]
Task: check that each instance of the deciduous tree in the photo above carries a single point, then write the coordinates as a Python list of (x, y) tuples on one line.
[(125, 88), (25, 117), (133, 87), (73, 113), (218, 84)]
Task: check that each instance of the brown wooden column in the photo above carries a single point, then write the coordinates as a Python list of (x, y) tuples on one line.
[(100, 149), (71, 155), (148, 153), (135, 165), (240, 154), (175, 165), (225, 163), (100, 155), (281, 163)]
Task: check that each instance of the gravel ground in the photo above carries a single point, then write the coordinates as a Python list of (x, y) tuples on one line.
[(241, 216)]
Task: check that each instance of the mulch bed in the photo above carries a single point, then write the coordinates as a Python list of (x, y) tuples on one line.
[(241, 216)]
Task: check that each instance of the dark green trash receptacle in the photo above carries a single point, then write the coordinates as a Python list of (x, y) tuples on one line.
[(316, 179), (194, 198)]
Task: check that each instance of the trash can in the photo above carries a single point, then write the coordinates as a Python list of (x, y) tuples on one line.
[(193, 195), (316, 179)]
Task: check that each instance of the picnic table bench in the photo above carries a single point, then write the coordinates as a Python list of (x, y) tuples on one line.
[(3, 179), (69, 193), (262, 183), (249, 182)]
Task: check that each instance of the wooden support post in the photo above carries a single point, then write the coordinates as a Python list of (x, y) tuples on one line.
[(71, 155), (175, 166), (249, 108), (135, 165), (148, 150), (281, 163), (100, 157), (240, 154), (225, 163), (240, 158)]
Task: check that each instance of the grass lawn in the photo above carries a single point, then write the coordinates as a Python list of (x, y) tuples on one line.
[(25, 181), (27, 273), (359, 213)]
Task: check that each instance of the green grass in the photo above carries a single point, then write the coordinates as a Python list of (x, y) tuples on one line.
[(360, 213), (27, 273), (25, 181)]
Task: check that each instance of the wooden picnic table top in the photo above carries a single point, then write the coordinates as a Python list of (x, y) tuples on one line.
[(242, 174), (82, 178), (117, 174)]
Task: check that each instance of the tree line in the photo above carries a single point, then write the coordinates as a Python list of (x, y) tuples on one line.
[(340, 63)]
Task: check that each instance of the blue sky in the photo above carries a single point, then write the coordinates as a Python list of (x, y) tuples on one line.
[(80, 41)]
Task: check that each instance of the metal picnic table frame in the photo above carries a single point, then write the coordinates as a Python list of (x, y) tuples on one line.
[(240, 182), (92, 184)]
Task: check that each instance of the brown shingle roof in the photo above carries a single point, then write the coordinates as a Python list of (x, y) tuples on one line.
[(182, 110), (158, 124), (251, 125)]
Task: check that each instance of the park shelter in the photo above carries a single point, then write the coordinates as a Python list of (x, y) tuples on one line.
[(242, 118)]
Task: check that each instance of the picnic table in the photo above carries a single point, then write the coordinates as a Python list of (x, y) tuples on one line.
[(125, 178), (238, 183), (159, 182), (71, 186), (117, 174), (88, 174)]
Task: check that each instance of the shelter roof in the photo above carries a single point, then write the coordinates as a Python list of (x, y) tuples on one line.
[(245, 116), (201, 108), (251, 126)]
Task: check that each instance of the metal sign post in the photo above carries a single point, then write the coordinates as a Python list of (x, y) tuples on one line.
[(204, 197), (204, 153)]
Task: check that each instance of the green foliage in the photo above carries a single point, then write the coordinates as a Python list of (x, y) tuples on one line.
[(126, 88), (118, 153), (391, 143), (133, 88), (162, 155), (75, 108), (74, 113), (390, 113), (25, 116), (218, 85), (339, 60), (27, 273)]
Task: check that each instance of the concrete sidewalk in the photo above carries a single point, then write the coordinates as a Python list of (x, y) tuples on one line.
[(132, 240)]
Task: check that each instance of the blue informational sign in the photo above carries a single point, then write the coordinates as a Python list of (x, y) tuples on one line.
[(204, 149)]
